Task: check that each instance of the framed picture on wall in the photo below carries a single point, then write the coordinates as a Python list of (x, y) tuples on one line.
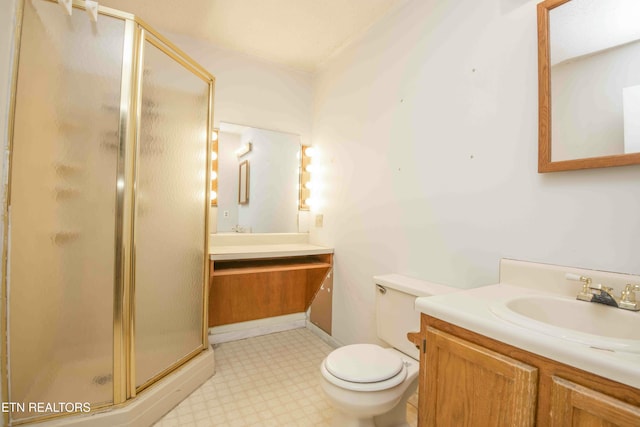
[(243, 183)]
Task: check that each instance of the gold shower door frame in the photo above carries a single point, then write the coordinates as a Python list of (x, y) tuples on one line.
[(136, 33), (144, 34)]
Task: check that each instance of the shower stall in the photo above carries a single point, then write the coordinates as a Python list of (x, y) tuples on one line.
[(106, 266)]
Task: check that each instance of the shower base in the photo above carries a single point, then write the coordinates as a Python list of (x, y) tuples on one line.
[(150, 405)]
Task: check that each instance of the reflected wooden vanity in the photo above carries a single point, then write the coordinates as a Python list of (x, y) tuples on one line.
[(261, 281)]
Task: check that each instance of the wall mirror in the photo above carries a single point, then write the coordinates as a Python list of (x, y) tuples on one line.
[(589, 84), (264, 197)]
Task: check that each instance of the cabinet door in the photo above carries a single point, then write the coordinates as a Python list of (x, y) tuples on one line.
[(575, 405), (469, 385)]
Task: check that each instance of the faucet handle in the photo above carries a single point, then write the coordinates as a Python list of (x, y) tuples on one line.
[(628, 298), (585, 294), (577, 278), (586, 281), (629, 293)]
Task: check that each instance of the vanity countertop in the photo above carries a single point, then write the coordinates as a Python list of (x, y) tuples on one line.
[(236, 252), (471, 309)]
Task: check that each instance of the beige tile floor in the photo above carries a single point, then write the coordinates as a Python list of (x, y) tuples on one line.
[(271, 380)]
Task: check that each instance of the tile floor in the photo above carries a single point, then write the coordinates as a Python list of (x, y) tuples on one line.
[(270, 380)]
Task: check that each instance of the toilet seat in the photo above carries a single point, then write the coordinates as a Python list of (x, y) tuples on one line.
[(363, 363), (364, 367)]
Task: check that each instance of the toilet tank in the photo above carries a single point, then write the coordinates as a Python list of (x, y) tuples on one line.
[(395, 308)]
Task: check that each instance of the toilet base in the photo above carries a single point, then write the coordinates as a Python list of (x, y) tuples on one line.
[(396, 417), (341, 419)]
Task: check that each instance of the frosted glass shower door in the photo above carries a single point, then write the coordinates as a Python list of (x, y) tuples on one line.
[(63, 208), (170, 214)]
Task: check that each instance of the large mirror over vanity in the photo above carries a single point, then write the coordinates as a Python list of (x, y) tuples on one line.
[(589, 84), (262, 266), (258, 175)]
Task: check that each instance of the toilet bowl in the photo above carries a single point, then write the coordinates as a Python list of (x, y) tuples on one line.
[(369, 385)]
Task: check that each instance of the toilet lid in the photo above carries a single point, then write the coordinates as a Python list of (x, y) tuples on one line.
[(363, 363)]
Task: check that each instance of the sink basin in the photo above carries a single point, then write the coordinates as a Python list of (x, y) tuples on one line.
[(595, 325)]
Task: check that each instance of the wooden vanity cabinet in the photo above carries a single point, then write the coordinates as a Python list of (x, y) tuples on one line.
[(467, 379), (251, 289)]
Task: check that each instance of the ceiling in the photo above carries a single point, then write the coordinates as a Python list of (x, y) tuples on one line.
[(301, 34)]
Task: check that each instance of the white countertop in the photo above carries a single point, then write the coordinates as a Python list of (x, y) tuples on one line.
[(470, 310), (235, 252)]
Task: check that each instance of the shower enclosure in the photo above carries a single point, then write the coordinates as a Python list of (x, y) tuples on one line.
[(107, 207)]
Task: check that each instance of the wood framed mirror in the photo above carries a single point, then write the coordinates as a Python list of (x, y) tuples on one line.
[(589, 84)]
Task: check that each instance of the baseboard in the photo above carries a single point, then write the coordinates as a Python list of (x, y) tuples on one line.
[(323, 335), (254, 328)]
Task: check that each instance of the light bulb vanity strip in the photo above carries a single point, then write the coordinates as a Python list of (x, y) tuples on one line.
[(604, 295)]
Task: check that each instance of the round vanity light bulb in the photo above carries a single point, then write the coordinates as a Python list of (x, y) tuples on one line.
[(308, 185), (214, 195), (309, 168), (214, 135), (309, 151), (214, 155), (214, 175)]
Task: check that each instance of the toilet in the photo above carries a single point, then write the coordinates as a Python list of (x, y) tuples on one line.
[(369, 385)]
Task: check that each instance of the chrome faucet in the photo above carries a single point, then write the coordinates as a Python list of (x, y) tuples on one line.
[(604, 294)]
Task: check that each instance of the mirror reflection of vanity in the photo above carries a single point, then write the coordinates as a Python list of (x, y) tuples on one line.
[(589, 84), (258, 172)]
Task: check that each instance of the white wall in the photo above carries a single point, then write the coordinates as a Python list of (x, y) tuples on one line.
[(253, 92), (631, 111), (427, 131)]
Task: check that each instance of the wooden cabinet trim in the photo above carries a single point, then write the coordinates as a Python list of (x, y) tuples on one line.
[(416, 339), (477, 354), (270, 267)]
